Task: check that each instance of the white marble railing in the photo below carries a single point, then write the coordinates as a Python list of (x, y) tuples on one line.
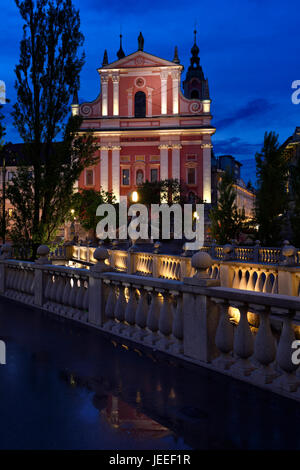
[(241, 333)]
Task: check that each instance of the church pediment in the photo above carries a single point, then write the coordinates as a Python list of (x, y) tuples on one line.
[(139, 59)]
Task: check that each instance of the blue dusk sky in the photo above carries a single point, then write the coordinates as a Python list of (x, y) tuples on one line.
[(249, 51)]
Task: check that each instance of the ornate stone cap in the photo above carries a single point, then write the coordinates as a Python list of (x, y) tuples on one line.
[(288, 250), (201, 261), (43, 252), (101, 254)]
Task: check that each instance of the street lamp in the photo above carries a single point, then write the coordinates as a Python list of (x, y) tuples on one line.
[(135, 196)]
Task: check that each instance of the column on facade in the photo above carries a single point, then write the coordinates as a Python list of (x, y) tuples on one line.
[(206, 147), (164, 81), (104, 94), (149, 101), (116, 80), (176, 161), (164, 161), (104, 167), (175, 91), (116, 171), (130, 96)]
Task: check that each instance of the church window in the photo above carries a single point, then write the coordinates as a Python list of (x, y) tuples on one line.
[(125, 177), (139, 177), (89, 177), (140, 104), (191, 176), (154, 175)]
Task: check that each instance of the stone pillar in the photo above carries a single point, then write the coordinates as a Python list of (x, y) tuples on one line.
[(199, 313), (164, 171), (104, 168), (164, 80), (96, 294), (175, 90), (130, 98), (104, 94), (207, 172), (116, 80), (149, 101), (176, 161), (39, 287), (116, 171)]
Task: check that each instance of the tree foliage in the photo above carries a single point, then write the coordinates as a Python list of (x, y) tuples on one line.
[(46, 77), (295, 202), (84, 206), (227, 222), (271, 194)]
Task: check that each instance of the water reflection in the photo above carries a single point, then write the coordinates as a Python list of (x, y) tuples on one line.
[(82, 391)]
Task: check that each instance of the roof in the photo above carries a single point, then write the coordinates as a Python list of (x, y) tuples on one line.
[(148, 60)]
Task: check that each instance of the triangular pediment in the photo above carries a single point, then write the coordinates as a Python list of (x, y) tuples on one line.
[(140, 59)]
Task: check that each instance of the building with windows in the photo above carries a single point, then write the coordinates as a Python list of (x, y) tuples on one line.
[(147, 128), (245, 196)]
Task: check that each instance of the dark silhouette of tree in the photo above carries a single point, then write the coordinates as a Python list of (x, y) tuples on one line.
[(271, 195), (227, 222), (47, 76)]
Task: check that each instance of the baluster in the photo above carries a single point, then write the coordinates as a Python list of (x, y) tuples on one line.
[(60, 290), (130, 311), (47, 290), (85, 304), (153, 318), (288, 380), (66, 295), (264, 347), (120, 311), (243, 345), (165, 321), (224, 337), (72, 297), (236, 279), (177, 330), (110, 306), (52, 292), (141, 314), (243, 282)]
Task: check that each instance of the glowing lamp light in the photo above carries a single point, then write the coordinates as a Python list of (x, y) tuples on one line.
[(135, 196), (72, 211), (196, 215)]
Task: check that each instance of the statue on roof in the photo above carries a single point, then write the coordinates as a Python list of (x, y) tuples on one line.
[(141, 42)]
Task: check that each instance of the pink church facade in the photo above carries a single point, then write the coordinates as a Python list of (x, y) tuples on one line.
[(146, 127)]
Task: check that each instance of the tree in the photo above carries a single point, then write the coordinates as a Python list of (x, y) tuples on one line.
[(227, 222), (271, 194), (295, 202), (3, 150), (84, 205), (46, 77)]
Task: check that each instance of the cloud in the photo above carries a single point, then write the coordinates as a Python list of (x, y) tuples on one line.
[(252, 109), (236, 147)]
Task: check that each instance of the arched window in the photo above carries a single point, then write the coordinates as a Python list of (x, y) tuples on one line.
[(140, 104), (139, 177), (195, 95)]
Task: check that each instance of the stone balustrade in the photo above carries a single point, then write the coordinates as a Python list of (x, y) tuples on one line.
[(242, 333), (283, 278)]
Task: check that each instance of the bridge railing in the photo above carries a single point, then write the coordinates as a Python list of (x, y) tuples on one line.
[(282, 277), (245, 334)]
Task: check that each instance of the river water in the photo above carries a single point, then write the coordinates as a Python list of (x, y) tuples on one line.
[(65, 386)]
